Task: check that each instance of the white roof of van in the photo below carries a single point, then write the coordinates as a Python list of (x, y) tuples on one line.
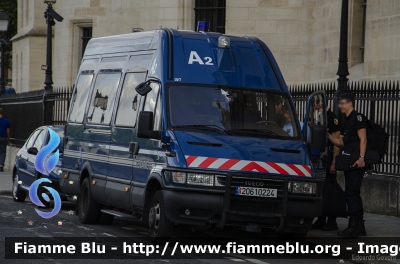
[(123, 43)]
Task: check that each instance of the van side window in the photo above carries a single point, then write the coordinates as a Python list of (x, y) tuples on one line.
[(151, 98), (157, 115), (129, 100), (103, 95), (80, 97)]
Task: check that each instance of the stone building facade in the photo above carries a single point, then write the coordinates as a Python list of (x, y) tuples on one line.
[(303, 34)]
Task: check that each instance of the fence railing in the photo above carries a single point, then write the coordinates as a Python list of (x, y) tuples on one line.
[(30, 110), (379, 101)]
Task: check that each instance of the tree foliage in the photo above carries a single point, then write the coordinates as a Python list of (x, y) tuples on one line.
[(11, 8)]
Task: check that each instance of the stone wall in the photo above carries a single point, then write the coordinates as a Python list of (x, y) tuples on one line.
[(29, 47), (286, 26), (110, 18), (382, 54), (302, 34)]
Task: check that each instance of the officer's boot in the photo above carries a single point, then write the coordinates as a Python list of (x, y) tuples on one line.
[(352, 230), (331, 225), (319, 223), (361, 228)]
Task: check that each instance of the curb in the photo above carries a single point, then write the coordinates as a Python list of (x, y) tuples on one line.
[(6, 193)]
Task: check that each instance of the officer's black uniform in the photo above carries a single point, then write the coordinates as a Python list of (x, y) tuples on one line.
[(353, 177), (333, 126)]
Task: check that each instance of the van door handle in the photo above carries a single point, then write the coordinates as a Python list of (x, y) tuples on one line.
[(134, 148)]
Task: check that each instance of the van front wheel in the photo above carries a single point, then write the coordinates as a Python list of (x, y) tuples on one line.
[(159, 227), (89, 209)]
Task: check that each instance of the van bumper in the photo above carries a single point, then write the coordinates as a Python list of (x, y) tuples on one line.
[(287, 213)]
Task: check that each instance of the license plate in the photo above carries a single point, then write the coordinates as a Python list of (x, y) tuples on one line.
[(258, 192)]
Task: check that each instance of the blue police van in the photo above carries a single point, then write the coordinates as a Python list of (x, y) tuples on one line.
[(190, 128)]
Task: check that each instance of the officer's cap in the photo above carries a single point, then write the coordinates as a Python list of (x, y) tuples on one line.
[(349, 95)]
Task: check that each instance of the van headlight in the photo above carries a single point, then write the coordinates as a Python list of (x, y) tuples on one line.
[(175, 177), (200, 179), (196, 179), (302, 187)]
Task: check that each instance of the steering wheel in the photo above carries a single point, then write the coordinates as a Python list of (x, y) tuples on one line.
[(268, 123)]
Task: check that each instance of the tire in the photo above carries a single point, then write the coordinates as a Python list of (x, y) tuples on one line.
[(160, 228), (18, 194), (105, 219), (89, 209)]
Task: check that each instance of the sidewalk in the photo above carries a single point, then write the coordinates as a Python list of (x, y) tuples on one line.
[(5, 183)]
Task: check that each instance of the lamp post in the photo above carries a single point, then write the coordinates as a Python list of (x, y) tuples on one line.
[(343, 68), (50, 15), (4, 21)]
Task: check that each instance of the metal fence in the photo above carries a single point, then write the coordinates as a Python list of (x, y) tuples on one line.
[(30, 110), (379, 101)]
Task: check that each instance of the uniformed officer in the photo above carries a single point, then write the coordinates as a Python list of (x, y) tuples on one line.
[(353, 131), (334, 130)]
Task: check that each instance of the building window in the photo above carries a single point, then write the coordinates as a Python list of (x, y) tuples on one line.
[(212, 11), (364, 23), (357, 21), (86, 36)]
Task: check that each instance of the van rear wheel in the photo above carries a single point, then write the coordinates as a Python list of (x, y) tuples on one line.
[(89, 209), (160, 228)]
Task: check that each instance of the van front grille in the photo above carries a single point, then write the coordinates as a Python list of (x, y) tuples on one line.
[(258, 207)]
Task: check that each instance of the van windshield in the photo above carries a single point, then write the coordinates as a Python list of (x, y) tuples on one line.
[(231, 111)]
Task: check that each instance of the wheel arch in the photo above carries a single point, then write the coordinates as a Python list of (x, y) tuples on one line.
[(154, 184), (85, 172)]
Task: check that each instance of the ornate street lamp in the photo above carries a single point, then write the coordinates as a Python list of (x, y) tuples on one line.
[(343, 68), (50, 15), (4, 21)]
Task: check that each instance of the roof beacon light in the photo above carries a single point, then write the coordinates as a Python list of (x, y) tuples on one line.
[(203, 26), (224, 42)]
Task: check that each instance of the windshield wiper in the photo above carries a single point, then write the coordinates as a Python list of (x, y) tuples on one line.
[(205, 127), (257, 131)]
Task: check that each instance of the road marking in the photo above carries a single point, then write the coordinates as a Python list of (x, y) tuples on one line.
[(86, 228), (108, 235), (128, 228), (255, 261), (235, 259)]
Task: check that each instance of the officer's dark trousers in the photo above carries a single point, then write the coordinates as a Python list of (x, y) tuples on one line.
[(329, 160), (353, 181), (329, 177)]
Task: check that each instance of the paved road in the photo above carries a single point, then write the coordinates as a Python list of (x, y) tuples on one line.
[(13, 224)]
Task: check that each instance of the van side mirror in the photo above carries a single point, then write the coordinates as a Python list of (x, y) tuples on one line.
[(318, 137), (146, 126), (143, 88), (33, 151)]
